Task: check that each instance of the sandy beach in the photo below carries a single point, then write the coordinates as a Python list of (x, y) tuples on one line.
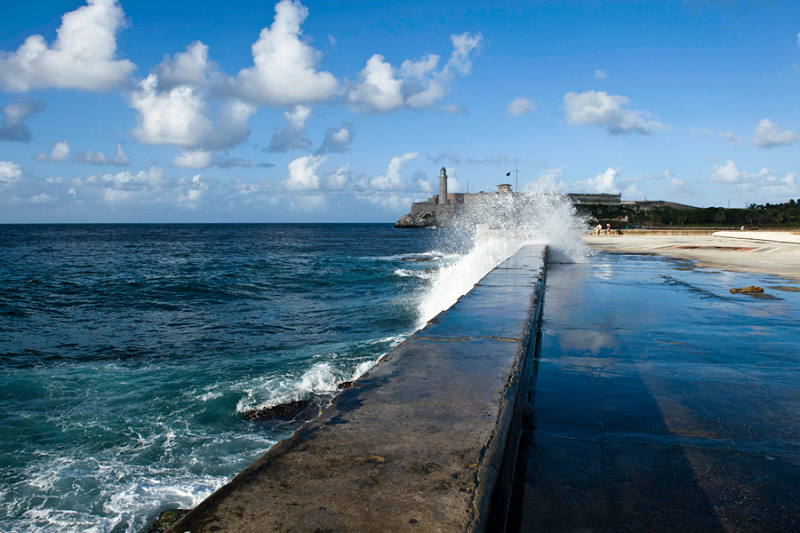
[(747, 251)]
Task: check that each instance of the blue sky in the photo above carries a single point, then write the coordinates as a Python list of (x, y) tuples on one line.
[(242, 111)]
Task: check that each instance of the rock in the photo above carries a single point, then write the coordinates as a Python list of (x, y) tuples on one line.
[(416, 219), (345, 385), (166, 520), (748, 290), (295, 410)]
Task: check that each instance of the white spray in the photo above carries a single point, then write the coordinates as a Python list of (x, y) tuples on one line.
[(498, 224)]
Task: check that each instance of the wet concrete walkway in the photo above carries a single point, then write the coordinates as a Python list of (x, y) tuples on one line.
[(663, 402)]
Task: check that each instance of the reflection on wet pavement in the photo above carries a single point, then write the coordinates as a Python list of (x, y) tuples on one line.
[(662, 402)]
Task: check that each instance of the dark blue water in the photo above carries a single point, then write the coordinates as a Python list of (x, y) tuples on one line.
[(130, 352)]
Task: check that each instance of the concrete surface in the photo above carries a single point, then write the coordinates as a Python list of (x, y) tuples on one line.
[(738, 254), (662, 402), (770, 236), (425, 441)]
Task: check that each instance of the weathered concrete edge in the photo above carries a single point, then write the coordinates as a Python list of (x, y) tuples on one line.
[(494, 473)]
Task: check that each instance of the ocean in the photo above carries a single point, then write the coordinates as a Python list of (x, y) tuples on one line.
[(129, 353)]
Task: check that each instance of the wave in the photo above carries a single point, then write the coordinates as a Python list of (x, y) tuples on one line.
[(539, 216), (421, 274)]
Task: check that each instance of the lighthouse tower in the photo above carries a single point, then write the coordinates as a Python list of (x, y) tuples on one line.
[(443, 186)]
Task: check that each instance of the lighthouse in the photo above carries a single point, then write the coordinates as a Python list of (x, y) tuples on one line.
[(443, 186)]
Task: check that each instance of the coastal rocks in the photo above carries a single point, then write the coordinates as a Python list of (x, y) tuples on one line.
[(416, 220), (165, 520), (294, 410), (300, 410), (748, 290)]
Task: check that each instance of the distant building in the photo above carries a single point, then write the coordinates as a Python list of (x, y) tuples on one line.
[(443, 209)]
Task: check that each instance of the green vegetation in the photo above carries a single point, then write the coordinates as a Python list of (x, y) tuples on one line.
[(755, 215)]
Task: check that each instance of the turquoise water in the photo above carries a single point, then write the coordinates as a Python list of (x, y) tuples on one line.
[(130, 352)]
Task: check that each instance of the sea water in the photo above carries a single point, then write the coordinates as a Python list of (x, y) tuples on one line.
[(129, 353)]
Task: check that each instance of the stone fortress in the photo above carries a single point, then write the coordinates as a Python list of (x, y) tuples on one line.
[(444, 209)]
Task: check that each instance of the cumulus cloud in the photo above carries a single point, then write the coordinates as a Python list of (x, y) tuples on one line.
[(337, 140), (174, 117), (13, 127), (338, 179), (185, 68), (768, 135), (290, 137), (9, 173), (178, 117), (598, 108), (416, 84), (519, 106), (81, 57), (392, 179), (379, 90), (193, 159), (600, 74), (120, 159), (761, 182), (303, 173), (602, 183), (730, 174), (60, 152), (284, 68)]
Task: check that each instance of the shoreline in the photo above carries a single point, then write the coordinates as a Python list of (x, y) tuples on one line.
[(762, 252)]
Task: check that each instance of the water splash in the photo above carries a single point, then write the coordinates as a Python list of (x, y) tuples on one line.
[(491, 228)]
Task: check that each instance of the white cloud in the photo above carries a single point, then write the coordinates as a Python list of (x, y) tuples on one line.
[(284, 70), (186, 68), (392, 180), (602, 183), (379, 90), (303, 173), (120, 159), (9, 173), (291, 137), (599, 108), (153, 178), (60, 152), (519, 106), (600, 74), (178, 117), (337, 140), (416, 84), (798, 39), (767, 135), (13, 127), (81, 57), (193, 159), (174, 117), (339, 179), (765, 181), (727, 173)]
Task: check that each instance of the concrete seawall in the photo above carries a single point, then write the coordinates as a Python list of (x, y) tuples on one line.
[(425, 441)]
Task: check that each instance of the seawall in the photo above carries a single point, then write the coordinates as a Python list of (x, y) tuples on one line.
[(425, 441)]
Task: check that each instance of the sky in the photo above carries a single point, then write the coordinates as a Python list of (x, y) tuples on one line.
[(255, 111)]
